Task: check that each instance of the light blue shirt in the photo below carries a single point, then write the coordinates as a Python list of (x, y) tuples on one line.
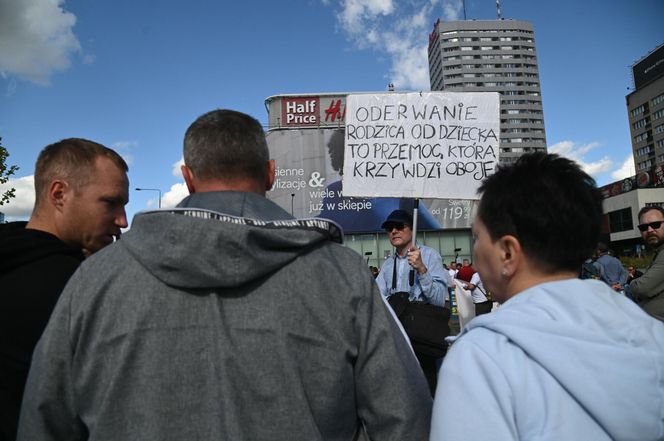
[(430, 287), (564, 360), (611, 270)]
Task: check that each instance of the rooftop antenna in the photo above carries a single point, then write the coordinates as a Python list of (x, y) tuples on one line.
[(498, 10), (464, 9), (390, 87)]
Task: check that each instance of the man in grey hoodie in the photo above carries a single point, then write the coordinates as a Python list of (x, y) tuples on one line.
[(224, 319)]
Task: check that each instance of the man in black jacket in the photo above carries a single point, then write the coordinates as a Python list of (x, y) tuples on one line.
[(81, 188)]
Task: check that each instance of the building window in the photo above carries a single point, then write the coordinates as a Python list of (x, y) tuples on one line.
[(621, 220), (640, 123), (659, 128), (642, 137), (658, 99), (638, 111), (643, 151), (658, 114)]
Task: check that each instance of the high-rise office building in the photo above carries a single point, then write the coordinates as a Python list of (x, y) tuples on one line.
[(493, 56), (645, 107)]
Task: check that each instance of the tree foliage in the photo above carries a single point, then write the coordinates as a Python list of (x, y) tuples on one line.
[(5, 172)]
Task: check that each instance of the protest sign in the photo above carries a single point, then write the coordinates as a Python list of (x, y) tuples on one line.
[(420, 145)]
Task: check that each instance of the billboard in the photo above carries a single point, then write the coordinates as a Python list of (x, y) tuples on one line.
[(653, 178), (309, 168), (308, 111), (649, 69)]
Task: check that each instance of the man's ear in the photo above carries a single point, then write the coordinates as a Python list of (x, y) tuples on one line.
[(269, 181), (511, 254), (188, 178), (58, 194)]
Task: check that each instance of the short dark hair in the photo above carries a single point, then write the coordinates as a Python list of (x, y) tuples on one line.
[(71, 160), (648, 208), (225, 144), (549, 204)]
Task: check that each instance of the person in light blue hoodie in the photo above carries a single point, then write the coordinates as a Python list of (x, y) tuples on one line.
[(562, 358)]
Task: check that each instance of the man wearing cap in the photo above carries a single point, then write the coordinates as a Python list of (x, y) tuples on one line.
[(429, 281), (429, 284)]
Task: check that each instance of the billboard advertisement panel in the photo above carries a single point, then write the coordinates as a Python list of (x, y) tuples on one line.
[(653, 178), (650, 68), (309, 168), (325, 110)]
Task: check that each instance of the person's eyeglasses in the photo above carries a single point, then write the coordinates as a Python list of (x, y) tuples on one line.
[(654, 225), (390, 227)]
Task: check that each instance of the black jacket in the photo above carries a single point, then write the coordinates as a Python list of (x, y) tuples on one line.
[(34, 268)]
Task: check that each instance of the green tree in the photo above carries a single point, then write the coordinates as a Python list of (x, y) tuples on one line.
[(5, 172)]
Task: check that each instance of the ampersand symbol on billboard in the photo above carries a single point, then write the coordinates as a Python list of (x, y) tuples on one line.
[(315, 180)]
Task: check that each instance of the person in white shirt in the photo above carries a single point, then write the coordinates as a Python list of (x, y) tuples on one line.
[(481, 300), (452, 270)]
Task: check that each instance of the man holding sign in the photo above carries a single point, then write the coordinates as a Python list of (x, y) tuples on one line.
[(428, 283), (438, 145)]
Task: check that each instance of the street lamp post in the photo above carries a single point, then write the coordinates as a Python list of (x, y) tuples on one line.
[(151, 189)]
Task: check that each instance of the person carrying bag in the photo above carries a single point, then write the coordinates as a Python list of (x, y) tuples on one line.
[(415, 284)]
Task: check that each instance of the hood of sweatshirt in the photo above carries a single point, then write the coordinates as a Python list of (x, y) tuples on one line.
[(19, 246), (601, 351), (229, 239)]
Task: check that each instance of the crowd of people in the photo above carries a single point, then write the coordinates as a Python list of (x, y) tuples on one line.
[(227, 318)]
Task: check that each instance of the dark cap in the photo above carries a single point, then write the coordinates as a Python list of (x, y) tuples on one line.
[(398, 217)]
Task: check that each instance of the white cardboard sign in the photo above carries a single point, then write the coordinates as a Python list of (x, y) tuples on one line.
[(420, 145)]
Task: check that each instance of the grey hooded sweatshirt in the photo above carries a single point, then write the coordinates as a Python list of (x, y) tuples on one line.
[(203, 326)]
